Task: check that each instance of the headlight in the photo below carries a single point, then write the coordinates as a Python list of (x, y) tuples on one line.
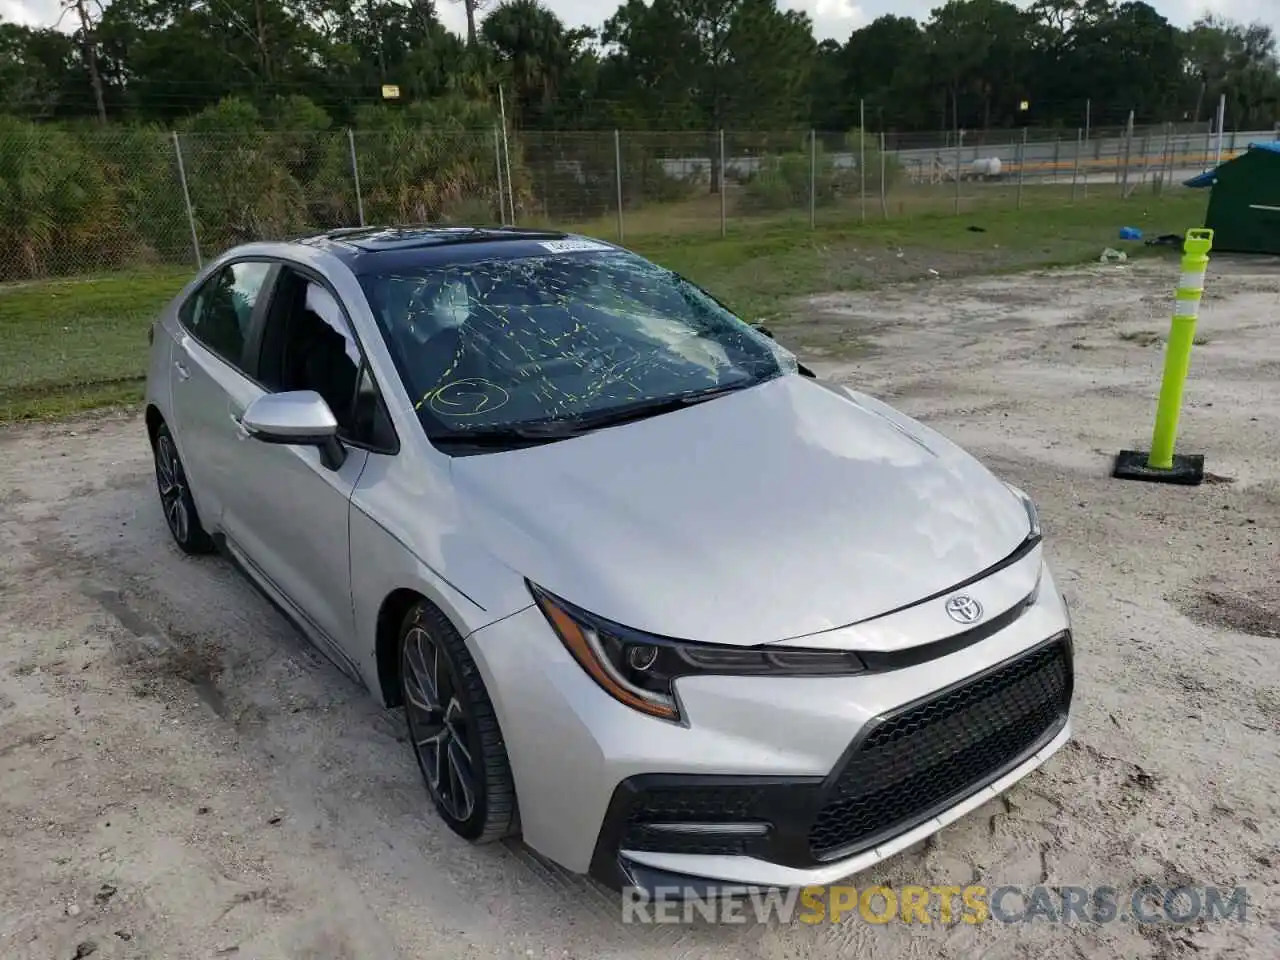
[(1033, 515), (640, 670)]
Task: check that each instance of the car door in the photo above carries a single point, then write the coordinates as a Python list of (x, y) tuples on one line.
[(287, 516), (209, 383)]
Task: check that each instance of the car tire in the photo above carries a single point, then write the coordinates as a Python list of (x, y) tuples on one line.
[(454, 730), (180, 514)]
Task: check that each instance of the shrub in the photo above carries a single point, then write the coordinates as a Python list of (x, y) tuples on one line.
[(424, 163), (140, 168), (241, 186), (57, 211), (871, 150), (784, 181)]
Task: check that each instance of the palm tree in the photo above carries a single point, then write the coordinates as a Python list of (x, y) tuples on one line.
[(537, 50)]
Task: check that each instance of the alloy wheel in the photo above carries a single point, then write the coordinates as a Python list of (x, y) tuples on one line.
[(172, 482), (438, 725)]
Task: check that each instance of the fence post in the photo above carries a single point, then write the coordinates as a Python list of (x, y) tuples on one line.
[(617, 164), (1222, 124), (511, 184), (1088, 120), (186, 197), (884, 199), (1057, 156), (1075, 174), (813, 179), (1164, 159), (723, 188), (355, 174), (497, 163), (959, 137), (1128, 153), (1022, 164), (862, 158)]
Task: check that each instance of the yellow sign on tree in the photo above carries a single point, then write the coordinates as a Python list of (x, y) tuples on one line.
[(390, 91)]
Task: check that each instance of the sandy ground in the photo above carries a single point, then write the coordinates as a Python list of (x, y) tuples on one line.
[(182, 777)]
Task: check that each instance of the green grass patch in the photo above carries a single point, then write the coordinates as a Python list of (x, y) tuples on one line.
[(760, 270), (75, 344), (79, 343)]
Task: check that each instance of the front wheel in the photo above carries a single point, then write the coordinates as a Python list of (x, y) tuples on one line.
[(175, 497), (454, 729)]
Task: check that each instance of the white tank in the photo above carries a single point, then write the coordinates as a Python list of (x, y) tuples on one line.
[(987, 166)]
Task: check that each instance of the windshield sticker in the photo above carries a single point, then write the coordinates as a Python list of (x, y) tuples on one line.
[(573, 246), (467, 398)]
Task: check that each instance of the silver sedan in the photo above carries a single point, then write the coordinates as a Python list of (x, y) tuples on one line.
[(651, 595)]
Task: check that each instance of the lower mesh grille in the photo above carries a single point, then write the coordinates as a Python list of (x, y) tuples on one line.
[(935, 752)]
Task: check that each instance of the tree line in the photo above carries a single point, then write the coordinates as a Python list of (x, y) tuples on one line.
[(660, 65)]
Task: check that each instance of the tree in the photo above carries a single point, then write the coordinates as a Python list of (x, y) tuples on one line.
[(764, 76), (1133, 56), (652, 67), (36, 70), (538, 53), (88, 47), (710, 63), (1223, 56), (472, 7), (885, 63), (828, 106), (676, 65), (982, 48)]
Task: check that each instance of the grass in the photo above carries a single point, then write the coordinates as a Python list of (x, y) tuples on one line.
[(77, 344)]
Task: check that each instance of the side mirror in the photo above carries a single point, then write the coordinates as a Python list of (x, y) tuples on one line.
[(296, 418), (761, 328)]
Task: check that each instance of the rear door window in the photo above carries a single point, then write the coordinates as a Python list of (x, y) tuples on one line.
[(219, 313)]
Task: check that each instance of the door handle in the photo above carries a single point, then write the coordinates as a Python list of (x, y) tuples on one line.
[(183, 372)]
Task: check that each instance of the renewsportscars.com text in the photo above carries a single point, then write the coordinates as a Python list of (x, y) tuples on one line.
[(942, 904)]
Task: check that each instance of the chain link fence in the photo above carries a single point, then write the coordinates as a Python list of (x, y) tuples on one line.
[(84, 200)]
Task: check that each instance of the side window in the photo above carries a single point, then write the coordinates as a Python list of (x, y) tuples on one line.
[(218, 314), (308, 345)]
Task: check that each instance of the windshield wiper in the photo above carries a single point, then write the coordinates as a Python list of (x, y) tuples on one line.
[(536, 432), (523, 435), (641, 410)]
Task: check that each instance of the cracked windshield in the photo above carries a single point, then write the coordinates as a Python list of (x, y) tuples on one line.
[(548, 341)]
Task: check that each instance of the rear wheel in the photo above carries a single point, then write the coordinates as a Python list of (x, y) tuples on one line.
[(454, 729), (175, 497)]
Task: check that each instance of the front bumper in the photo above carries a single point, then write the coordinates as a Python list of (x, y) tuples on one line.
[(772, 781)]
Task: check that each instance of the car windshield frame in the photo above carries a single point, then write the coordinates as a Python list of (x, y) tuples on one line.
[(628, 338)]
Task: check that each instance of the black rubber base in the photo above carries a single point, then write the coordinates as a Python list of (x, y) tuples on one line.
[(1187, 469)]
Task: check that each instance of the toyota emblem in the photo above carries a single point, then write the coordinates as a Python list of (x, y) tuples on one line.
[(964, 609)]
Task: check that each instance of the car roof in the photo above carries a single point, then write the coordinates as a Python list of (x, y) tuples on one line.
[(382, 249)]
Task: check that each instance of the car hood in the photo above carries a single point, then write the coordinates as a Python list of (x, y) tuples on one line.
[(774, 512)]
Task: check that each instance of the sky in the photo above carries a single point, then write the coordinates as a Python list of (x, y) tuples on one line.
[(831, 18)]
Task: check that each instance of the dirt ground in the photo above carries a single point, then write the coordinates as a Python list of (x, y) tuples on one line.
[(182, 777)]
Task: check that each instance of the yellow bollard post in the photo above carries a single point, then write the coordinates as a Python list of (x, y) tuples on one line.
[(1177, 355), (1161, 465)]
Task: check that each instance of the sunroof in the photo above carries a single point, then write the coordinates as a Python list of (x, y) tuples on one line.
[(402, 237)]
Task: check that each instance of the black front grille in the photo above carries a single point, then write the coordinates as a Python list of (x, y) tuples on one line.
[(930, 755), (728, 804)]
